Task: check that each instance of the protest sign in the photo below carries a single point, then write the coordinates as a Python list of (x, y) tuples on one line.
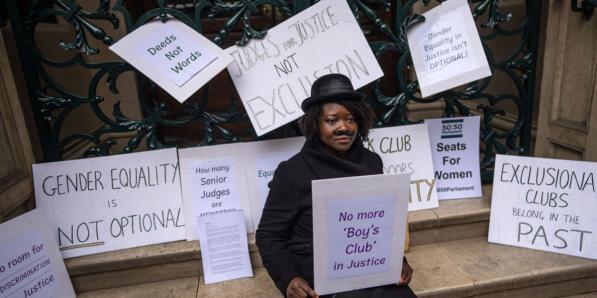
[(213, 181), (446, 48), (173, 55), (545, 204), (273, 75), (30, 263), (262, 159), (455, 148), (406, 149), (359, 226), (224, 248), (108, 203)]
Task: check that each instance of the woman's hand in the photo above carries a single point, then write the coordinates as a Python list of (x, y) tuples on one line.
[(299, 288), (407, 274)]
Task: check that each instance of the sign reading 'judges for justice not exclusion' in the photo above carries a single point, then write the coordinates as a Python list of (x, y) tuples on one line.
[(545, 204), (274, 75), (107, 203)]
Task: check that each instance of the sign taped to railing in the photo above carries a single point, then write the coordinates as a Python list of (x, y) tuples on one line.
[(446, 48), (107, 203), (545, 204), (274, 75)]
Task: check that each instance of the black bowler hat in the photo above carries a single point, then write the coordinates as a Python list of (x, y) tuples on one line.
[(329, 88)]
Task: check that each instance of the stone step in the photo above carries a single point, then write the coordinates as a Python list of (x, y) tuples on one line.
[(461, 268)]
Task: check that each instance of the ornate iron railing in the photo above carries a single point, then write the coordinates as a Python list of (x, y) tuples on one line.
[(384, 22)]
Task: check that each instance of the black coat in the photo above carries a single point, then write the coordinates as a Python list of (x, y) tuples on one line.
[(285, 233)]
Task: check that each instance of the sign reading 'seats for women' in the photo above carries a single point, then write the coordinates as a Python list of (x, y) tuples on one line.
[(359, 228), (30, 263), (108, 203), (446, 48), (545, 204), (406, 149), (274, 75)]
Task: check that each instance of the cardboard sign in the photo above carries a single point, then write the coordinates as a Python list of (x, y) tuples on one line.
[(274, 75), (213, 181), (545, 204), (446, 48), (224, 250), (262, 159), (359, 226), (173, 55), (406, 149), (30, 263), (455, 147), (108, 203)]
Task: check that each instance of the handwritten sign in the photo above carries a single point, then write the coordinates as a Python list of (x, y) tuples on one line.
[(274, 75), (224, 250), (262, 159), (545, 204), (406, 149), (213, 181), (108, 203), (173, 55), (359, 228), (30, 263), (446, 48), (455, 147)]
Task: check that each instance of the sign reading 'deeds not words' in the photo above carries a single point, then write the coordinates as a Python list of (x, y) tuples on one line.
[(545, 204), (173, 55), (224, 249), (274, 75), (446, 48), (107, 203), (359, 226), (263, 158), (30, 263), (455, 148), (213, 181), (406, 149)]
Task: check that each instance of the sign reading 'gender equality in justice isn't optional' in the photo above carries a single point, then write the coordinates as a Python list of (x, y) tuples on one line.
[(359, 226), (274, 75), (30, 263), (173, 55), (545, 204), (107, 203), (455, 147), (446, 48), (406, 149)]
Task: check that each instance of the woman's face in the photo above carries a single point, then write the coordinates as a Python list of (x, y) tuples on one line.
[(337, 128)]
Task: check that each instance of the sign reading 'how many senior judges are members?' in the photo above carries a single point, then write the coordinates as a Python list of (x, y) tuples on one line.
[(545, 204), (107, 203), (274, 75)]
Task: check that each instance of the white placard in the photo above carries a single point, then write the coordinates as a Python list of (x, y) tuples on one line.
[(214, 181), (545, 204), (455, 148), (446, 48), (274, 75), (108, 203), (30, 263), (224, 248), (263, 158), (173, 55), (359, 226), (406, 149)]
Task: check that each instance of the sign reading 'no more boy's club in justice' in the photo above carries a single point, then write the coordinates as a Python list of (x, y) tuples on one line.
[(545, 204), (274, 75), (109, 203)]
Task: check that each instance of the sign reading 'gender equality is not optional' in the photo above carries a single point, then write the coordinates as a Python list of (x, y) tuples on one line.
[(274, 75), (107, 203), (545, 204)]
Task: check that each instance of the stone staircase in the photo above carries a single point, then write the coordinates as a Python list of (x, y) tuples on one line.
[(449, 252)]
